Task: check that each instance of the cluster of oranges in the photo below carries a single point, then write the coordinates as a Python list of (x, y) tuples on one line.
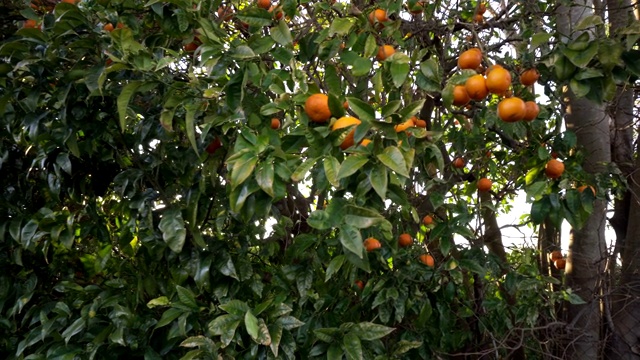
[(558, 260), (497, 81)]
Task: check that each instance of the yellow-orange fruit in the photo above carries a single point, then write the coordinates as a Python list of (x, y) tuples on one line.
[(342, 123), (511, 109)]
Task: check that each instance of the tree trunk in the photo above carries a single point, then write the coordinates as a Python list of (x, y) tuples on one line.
[(587, 250)]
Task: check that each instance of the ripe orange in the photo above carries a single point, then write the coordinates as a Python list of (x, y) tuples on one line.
[(484, 184), (405, 240), (342, 123), (427, 220), (459, 163), (371, 244), (317, 108), (384, 52), (583, 187), (529, 77), (277, 13), (109, 27), (556, 254), (365, 142), (416, 8), (345, 105), (532, 111), (359, 284), (119, 25), (554, 169), (560, 264), (404, 126), (498, 80), (30, 24), (428, 260), (379, 16), (511, 109), (478, 18), (190, 47), (476, 87), (482, 7), (460, 95), (265, 4), (420, 123), (470, 59), (275, 123)]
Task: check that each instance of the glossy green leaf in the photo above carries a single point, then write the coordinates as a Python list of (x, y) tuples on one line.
[(351, 239), (334, 266), (379, 180), (350, 165), (352, 347), (173, 229), (265, 176), (392, 158)]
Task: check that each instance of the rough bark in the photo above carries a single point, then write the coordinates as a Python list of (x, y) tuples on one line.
[(587, 251)]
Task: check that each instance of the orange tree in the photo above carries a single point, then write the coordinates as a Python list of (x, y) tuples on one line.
[(150, 208)]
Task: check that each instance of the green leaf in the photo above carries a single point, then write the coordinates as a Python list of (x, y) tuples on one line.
[(351, 240), (168, 317), (473, 266), (242, 169), (190, 125), (431, 70), (281, 33), (540, 39), (362, 110), (123, 101), (73, 329), (351, 164), (265, 176), (159, 301), (403, 346), (255, 16), (225, 326), (331, 168), (581, 58), (370, 46), (579, 88), (379, 180), (589, 22), (186, 297), (197, 341), (251, 324), (303, 169), (370, 331), (275, 329), (264, 337), (243, 52), (235, 307), (225, 265), (334, 266), (173, 230), (411, 109), (392, 158), (289, 322), (335, 352), (352, 347), (399, 73), (340, 26)]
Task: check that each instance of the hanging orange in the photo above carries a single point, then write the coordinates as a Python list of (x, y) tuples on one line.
[(511, 109)]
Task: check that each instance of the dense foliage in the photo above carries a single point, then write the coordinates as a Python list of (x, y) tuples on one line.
[(149, 209)]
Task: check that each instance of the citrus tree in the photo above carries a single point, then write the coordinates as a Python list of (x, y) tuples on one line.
[(193, 179)]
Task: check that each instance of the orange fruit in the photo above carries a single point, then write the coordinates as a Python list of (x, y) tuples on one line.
[(416, 8), (476, 87), (275, 123), (529, 77), (213, 146), (428, 260), (119, 25), (359, 284), (404, 126), (427, 220), (511, 109), (379, 16), (265, 4), (365, 142), (482, 7), (30, 24), (405, 240), (345, 105), (277, 13), (317, 108), (478, 18), (371, 244), (421, 123), (583, 187), (190, 47), (460, 95), (498, 80), (384, 52), (109, 27), (531, 111), (459, 163), (342, 123), (556, 254), (554, 169), (470, 59), (484, 184), (560, 264)]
